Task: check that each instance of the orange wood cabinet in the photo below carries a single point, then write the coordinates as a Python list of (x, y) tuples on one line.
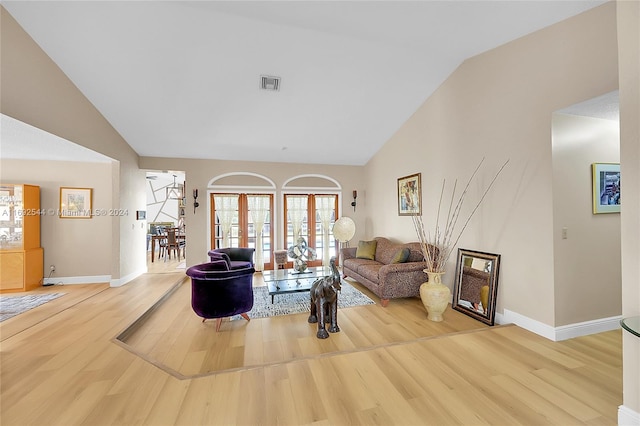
[(21, 257)]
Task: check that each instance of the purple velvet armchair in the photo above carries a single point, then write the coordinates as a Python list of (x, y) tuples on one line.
[(217, 292), (236, 257)]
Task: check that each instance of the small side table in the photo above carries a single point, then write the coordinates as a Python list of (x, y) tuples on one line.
[(631, 324), (280, 258)]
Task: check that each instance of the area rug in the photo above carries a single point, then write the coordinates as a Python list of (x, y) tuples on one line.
[(295, 303), (10, 306)]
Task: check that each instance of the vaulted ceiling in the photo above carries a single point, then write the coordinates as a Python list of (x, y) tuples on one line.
[(181, 78)]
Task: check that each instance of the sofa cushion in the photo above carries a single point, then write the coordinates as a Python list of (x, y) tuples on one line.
[(416, 252), (401, 255), (371, 271), (386, 250), (354, 263), (366, 250), (351, 263)]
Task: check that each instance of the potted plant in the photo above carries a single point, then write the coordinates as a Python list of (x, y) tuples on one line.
[(438, 245)]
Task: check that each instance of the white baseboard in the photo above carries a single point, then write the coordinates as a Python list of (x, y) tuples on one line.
[(95, 279), (119, 282), (588, 327), (92, 279), (541, 329), (559, 333), (628, 417)]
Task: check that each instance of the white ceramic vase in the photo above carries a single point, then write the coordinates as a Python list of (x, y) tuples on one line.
[(435, 296)]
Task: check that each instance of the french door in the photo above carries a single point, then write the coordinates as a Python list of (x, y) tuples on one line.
[(311, 216), (244, 220)]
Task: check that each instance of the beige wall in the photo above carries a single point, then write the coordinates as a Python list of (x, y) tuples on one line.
[(77, 247), (629, 59), (499, 105), (36, 91), (593, 241), (200, 172)]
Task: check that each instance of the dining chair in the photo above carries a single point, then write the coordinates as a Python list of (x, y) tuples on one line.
[(171, 243), (162, 242)]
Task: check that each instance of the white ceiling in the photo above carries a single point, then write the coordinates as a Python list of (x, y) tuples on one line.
[(22, 141), (180, 79), (606, 107)]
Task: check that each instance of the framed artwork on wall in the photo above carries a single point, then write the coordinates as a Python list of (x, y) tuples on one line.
[(605, 187), (410, 195), (75, 203)]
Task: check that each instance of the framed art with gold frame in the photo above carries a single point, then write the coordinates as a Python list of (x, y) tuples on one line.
[(410, 195), (76, 203)]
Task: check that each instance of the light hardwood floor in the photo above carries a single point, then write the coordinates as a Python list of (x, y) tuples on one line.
[(174, 341), (387, 366)]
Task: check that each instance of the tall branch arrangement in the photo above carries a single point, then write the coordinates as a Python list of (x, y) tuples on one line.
[(437, 247)]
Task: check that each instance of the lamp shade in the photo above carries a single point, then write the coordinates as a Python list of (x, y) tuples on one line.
[(344, 229)]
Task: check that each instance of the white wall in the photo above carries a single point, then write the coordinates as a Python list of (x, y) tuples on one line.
[(629, 63), (588, 281)]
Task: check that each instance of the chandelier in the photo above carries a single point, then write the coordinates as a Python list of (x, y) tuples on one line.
[(174, 192)]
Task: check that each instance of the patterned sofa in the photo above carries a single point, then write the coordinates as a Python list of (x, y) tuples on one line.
[(386, 279)]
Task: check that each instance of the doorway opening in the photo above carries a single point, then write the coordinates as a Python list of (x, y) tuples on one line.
[(165, 217)]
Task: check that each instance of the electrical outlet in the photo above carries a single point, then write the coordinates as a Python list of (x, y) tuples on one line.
[(564, 233), (52, 268)]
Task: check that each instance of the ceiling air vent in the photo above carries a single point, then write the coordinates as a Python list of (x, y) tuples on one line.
[(269, 83)]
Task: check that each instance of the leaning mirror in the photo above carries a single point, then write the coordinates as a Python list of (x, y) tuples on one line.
[(476, 284)]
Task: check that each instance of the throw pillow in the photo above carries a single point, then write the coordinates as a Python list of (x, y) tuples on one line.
[(401, 255), (366, 250)]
